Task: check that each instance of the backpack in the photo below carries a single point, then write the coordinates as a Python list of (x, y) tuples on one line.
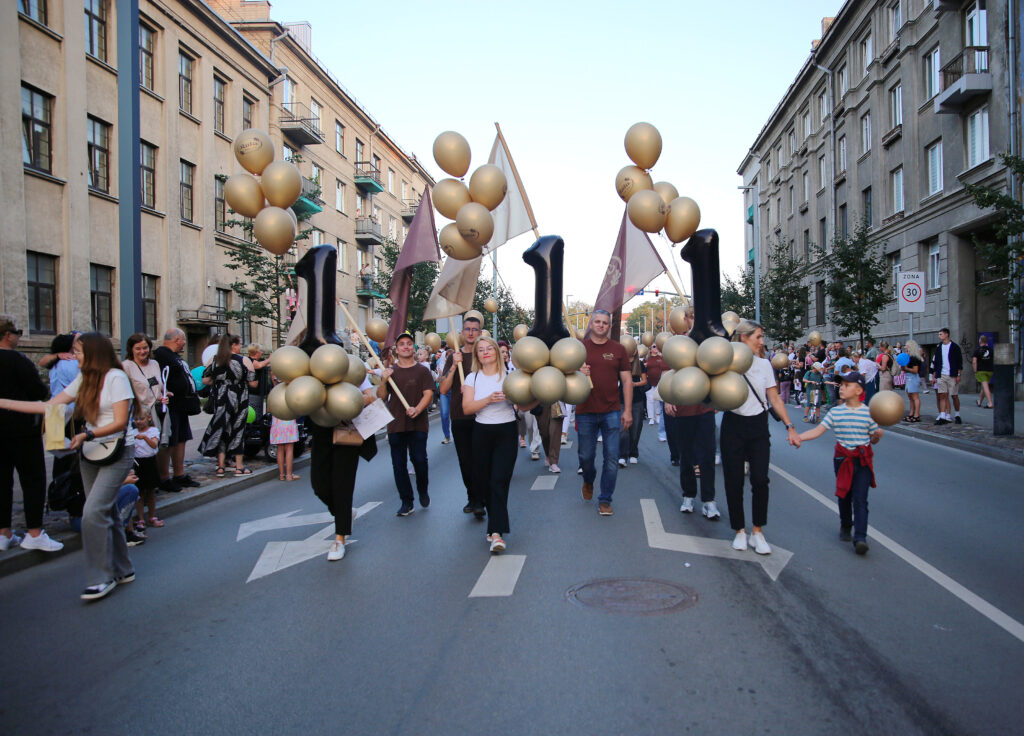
[(66, 491)]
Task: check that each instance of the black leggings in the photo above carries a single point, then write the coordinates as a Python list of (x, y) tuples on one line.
[(332, 470), (494, 459), (746, 439), (462, 435), (24, 454)]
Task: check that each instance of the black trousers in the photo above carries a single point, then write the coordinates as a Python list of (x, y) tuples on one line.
[(494, 458), (695, 436), (745, 439), (24, 454), (629, 441), (462, 435), (672, 437), (332, 470)]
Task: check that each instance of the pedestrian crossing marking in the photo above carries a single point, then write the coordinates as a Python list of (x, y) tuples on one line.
[(499, 577), (544, 483)]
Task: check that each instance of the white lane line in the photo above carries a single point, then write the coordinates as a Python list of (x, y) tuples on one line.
[(979, 604), (499, 577), (544, 483)]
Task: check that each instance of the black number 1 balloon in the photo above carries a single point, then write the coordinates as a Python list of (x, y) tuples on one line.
[(701, 252), (317, 268), (545, 257)]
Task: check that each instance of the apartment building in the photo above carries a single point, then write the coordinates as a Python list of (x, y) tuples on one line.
[(898, 106)]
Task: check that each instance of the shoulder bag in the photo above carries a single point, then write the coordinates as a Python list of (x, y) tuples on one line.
[(770, 409), (103, 450)]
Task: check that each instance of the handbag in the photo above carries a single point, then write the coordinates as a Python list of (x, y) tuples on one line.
[(770, 409), (346, 434), (103, 451), (556, 411), (900, 379)]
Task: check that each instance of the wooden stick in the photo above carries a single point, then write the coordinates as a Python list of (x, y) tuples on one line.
[(462, 374), (373, 355)]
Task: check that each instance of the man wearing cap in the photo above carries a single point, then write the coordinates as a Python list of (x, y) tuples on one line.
[(407, 433), (462, 426)]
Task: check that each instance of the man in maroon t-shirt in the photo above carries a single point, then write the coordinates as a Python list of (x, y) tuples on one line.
[(608, 367)]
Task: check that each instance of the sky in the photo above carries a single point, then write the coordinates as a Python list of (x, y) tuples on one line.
[(566, 80)]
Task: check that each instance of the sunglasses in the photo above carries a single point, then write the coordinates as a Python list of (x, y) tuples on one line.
[(19, 333)]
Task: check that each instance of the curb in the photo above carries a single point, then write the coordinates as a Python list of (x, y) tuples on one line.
[(978, 448)]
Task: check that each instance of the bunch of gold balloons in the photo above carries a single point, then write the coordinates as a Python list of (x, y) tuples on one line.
[(324, 386), (470, 207), (547, 375), (652, 206), (714, 369), (268, 199)]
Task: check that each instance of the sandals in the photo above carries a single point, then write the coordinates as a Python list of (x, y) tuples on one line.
[(140, 526), (155, 522), (220, 472), (242, 471), (293, 477)]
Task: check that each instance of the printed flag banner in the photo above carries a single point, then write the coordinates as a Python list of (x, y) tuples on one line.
[(420, 246), (633, 265)]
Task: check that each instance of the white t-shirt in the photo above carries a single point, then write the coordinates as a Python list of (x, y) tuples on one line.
[(945, 358), (484, 385), (867, 368), (142, 448), (116, 387), (762, 378)]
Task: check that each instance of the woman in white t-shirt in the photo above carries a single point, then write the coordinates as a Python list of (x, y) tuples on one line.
[(494, 435), (103, 397)]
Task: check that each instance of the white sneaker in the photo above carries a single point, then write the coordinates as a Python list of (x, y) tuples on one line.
[(633, 461), (652, 422), (554, 468), (711, 511), (497, 544), (718, 458), (759, 544), (565, 439), (739, 542), (7, 542), (622, 463), (663, 439), (43, 543), (687, 507), (336, 552), (746, 468)]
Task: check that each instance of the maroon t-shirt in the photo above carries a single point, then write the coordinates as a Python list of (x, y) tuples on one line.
[(655, 367), (412, 382), (455, 405), (606, 361)]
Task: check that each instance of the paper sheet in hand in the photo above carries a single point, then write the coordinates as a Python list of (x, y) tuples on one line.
[(54, 425), (372, 418)]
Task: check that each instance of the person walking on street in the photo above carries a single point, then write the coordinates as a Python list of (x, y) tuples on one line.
[(444, 400), (913, 369), (229, 381), (182, 403), (984, 365), (603, 412), (462, 425), (656, 365), (694, 435), (947, 365), (629, 442)]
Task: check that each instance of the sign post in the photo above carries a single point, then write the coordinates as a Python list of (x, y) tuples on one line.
[(910, 294)]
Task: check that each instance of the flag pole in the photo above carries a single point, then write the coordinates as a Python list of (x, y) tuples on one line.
[(355, 328), (462, 374)]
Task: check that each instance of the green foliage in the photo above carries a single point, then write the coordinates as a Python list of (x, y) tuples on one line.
[(652, 314), (423, 277), (783, 296), (1003, 252), (510, 313), (738, 294)]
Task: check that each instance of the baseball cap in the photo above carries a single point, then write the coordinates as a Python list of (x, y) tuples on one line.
[(816, 366), (405, 334), (853, 377)]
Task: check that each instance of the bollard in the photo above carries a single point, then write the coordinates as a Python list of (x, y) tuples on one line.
[(1002, 390)]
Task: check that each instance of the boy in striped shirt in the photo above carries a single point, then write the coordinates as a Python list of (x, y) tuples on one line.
[(855, 432)]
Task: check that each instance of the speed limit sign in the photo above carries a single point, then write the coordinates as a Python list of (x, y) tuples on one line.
[(910, 288)]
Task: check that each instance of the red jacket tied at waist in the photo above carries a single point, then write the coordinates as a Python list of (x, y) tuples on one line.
[(844, 477)]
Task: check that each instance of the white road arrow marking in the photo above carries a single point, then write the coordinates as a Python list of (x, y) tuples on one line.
[(658, 538), (499, 577), (544, 483), (286, 521)]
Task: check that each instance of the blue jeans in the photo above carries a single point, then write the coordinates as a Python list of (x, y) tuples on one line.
[(446, 417), (588, 426), (411, 445), (853, 510)]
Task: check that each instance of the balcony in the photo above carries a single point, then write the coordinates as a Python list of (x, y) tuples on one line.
[(963, 79), (892, 136), (298, 124), (367, 178), (365, 289), (368, 231), (309, 201), (206, 315), (409, 209)]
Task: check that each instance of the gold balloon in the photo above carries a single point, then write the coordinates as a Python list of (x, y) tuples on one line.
[(577, 388), (742, 358), (780, 361), (660, 338), (488, 186), (295, 220), (282, 183), (714, 355), (814, 338), (665, 387), (730, 325), (324, 418), (678, 321), (887, 408), (630, 180), (728, 391), (690, 386), (682, 220), (519, 331), (568, 354), (432, 341), (277, 405), (491, 305), (451, 151), (356, 371), (344, 401), (642, 351), (667, 192), (730, 316), (643, 144), (305, 395), (288, 363), (243, 194), (647, 211), (530, 354), (455, 245), (254, 150), (548, 385), (448, 196), (647, 338), (629, 343), (475, 224), (329, 363), (485, 333), (274, 230), (680, 351), (516, 387), (376, 329), (474, 313)]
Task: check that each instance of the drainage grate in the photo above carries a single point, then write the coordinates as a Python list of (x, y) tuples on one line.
[(636, 596)]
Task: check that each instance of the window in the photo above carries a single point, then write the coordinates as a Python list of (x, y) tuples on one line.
[(804, 299), (823, 105), (807, 187), (807, 245), (844, 81), (244, 323), (807, 125), (359, 151), (315, 112), (933, 266), (865, 133), (220, 206), (360, 205), (36, 144), (248, 112), (896, 184), (934, 155), (339, 196), (822, 175), (865, 203), (823, 232), (317, 174), (895, 20), (792, 143), (405, 188), (185, 68), (147, 46), (895, 106), (391, 181), (219, 93), (342, 255), (34, 9), (339, 137), (99, 154), (867, 53), (841, 154), (101, 290), (975, 26), (288, 153), (405, 232), (778, 209), (223, 296), (42, 293), (376, 163), (819, 303), (188, 177), (977, 137), (147, 165), (895, 266), (792, 200), (96, 28), (932, 67), (288, 92), (317, 237), (778, 156), (149, 321), (844, 224)]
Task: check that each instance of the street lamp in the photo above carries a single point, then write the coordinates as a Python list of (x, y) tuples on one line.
[(757, 251)]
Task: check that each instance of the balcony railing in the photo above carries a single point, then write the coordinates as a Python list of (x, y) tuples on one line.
[(309, 200), (409, 209), (973, 60), (368, 230), (367, 177), (964, 78), (206, 314), (299, 124)]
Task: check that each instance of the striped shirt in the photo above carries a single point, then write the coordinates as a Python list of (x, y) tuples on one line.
[(853, 427)]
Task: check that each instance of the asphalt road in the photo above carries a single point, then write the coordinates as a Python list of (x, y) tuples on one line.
[(923, 635)]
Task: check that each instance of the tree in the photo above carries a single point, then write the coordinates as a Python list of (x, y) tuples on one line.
[(510, 313), (856, 281), (422, 282), (1003, 253), (651, 315), (738, 294), (783, 296)]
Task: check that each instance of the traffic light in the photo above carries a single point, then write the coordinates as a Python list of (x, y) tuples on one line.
[(656, 292)]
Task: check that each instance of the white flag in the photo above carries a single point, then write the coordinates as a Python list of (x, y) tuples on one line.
[(511, 217)]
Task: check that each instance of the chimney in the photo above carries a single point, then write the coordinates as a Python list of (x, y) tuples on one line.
[(302, 34)]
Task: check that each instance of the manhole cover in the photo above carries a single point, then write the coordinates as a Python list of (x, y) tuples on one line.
[(637, 596)]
